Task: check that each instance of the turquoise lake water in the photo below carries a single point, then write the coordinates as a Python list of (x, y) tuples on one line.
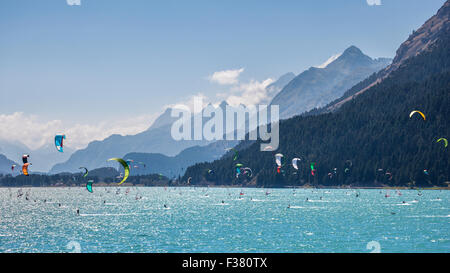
[(196, 220)]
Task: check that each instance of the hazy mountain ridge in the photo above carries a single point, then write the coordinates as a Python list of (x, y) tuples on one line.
[(6, 164), (42, 158), (316, 87), (419, 41)]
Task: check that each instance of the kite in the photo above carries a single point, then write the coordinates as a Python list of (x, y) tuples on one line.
[(89, 185), (235, 157), (278, 159), (85, 171), (445, 141), (389, 175), (248, 171), (59, 139), (295, 162), (125, 167), (418, 112), (238, 169), (268, 148), (25, 168), (313, 169)]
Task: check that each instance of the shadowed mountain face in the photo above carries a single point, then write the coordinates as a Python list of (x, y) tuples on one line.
[(5, 165), (274, 88), (422, 39), (316, 87)]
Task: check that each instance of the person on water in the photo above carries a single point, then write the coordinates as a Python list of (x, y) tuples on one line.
[(289, 206), (78, 211)]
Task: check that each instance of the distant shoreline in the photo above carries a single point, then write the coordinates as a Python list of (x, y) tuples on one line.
[(247, 187)]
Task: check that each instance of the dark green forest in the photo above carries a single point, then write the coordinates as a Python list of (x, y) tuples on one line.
[(103, 175), (373, 133)]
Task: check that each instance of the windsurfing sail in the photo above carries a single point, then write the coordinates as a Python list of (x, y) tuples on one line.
[(125, 167), (59, 142)]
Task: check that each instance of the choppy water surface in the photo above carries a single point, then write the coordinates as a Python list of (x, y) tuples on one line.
[(223, 220)]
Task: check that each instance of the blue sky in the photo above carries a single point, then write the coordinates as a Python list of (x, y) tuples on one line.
[(87, 66)]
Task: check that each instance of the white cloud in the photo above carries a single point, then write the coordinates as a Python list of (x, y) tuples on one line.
[(330, 60), (73, 2), (35, 132), (374, 2), (226, 77), (251, 93)]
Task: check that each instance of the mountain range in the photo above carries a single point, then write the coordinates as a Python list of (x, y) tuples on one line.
[(157, 145), (316, 87), (369, 138)]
